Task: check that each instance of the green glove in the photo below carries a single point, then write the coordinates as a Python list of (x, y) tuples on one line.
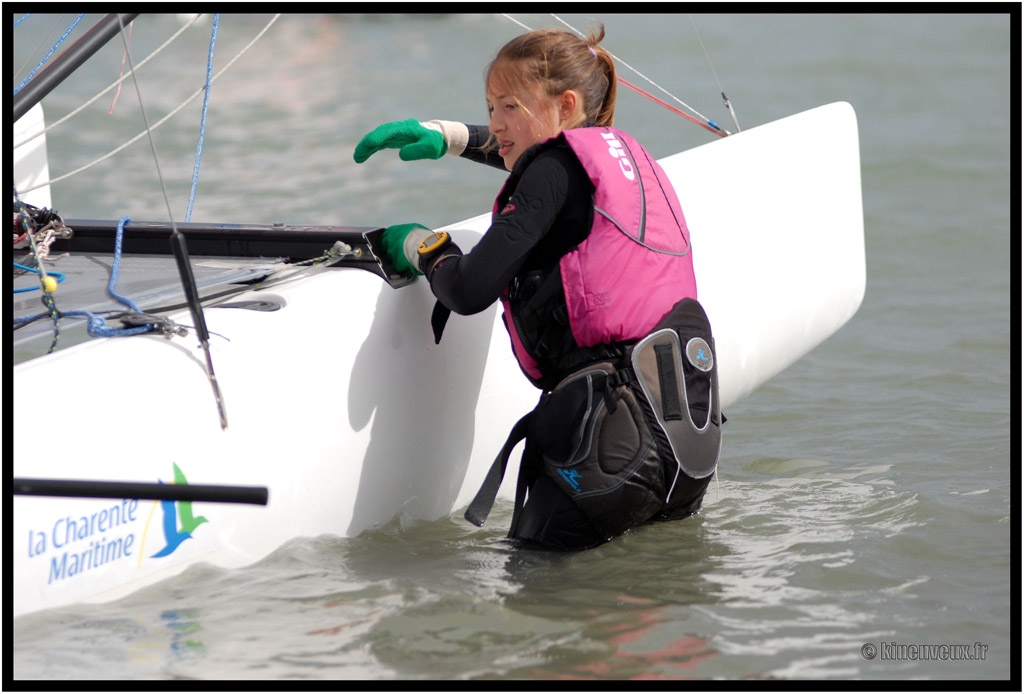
[(401, 254), (410, 137)]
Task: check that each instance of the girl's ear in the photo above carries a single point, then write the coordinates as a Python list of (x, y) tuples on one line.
[(569, 106)]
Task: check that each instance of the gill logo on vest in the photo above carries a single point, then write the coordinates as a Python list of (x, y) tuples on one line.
[(618, 152)]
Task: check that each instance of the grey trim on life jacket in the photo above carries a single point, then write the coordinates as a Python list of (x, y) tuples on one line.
[(639, 238), (633, 238)]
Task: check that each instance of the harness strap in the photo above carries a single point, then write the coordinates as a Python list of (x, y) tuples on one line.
[(438, 317), (621, 377), (484, 499), (522, 485)]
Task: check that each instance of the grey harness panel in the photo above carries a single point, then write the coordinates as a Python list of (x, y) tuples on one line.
[(658, 361)]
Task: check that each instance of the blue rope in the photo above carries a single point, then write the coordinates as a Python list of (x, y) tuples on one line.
[(59, 275), (116, 266), (19, 21), (97, 326), (202, 125), (55, 47)]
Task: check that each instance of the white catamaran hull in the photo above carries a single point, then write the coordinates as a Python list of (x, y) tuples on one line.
[(342, 406)]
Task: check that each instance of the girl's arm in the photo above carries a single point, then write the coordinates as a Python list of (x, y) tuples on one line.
[(477, 149), (470, 283)]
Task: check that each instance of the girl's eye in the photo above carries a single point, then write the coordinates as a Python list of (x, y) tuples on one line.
[(511, 106)]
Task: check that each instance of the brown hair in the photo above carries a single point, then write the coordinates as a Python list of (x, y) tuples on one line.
[(557, 61)]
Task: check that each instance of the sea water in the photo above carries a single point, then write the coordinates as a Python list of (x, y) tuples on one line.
[(860, 527)]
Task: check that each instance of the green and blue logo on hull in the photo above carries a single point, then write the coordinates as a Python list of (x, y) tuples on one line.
[(179, 523)]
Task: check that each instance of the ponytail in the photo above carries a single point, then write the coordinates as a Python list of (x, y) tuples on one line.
[(606, 113)]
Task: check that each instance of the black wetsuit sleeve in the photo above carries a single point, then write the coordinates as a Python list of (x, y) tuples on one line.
[(470, 283), (478, 150)]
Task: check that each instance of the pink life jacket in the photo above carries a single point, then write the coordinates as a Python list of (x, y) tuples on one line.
[(636, 263)]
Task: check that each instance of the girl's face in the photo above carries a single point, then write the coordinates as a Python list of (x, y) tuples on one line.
[(520, 119)]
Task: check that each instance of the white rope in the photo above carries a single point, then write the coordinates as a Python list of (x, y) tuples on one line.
[(516, 21), (624, 62), (641, 75), (158, 123), (116, 82)]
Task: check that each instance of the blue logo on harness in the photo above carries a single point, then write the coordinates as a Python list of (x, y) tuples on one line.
[(699, 353), (571, 476)]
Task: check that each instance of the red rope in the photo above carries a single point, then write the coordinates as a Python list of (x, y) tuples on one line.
[(670, 107), (123, 56)]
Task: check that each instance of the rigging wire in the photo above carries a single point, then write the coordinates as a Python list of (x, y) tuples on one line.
[(162, 120), (707, 124), (710, 126), (116, 83), (181, 255), (648, 79), (148, 131), (725, 99)]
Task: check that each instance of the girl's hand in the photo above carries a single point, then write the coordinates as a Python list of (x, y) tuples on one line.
[(400, 244), (414, 140)]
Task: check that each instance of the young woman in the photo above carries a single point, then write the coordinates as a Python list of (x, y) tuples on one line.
[(589, 253)]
